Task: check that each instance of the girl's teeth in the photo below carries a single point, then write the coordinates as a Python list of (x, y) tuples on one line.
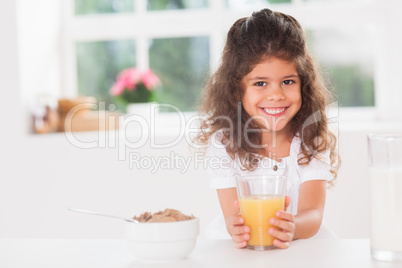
[(274, 111)]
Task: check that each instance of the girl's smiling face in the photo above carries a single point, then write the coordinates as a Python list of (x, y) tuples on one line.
[(272, 93)]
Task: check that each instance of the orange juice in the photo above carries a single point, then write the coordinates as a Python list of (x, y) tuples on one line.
[(256, 212)]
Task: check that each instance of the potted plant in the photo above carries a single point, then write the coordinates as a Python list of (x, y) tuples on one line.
[(136, 89)]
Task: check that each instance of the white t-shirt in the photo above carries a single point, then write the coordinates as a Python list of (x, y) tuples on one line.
[(223, 170)]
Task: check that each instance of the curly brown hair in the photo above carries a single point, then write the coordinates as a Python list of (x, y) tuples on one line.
[(249, 41)]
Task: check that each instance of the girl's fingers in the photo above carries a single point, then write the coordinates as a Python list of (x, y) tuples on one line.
[(237, 230), (284, 225), (281, 244), (234, 221), (240, 238), (285, 215), (241, 244), (236, 204), (283, 236), (287, 202)]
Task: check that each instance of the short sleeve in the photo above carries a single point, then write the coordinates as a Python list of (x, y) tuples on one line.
[(220, 166), (318, 168)]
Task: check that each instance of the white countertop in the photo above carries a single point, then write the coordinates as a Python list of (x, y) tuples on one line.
[(93, 253)]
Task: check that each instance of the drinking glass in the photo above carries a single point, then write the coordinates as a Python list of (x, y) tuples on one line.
[(260, 197), (385, 163)]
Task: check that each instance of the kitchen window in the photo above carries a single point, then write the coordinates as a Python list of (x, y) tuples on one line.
[(182, 40)]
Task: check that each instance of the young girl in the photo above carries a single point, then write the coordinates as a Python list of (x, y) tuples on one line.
[(265, 114)]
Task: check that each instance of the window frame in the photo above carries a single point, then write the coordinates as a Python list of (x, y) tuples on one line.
[(168, 24)]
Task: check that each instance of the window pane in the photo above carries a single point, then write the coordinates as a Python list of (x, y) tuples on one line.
[(98, 63), (254, 3), (346, 56), (103, 6), (176, 4), (183, 65)]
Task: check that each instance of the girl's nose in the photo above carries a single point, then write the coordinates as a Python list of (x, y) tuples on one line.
[(275, 93)]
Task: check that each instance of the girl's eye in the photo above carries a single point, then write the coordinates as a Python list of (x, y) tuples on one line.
[(260, 84), (288, 82)]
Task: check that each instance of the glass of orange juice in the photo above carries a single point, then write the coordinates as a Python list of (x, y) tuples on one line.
[(260, 197)]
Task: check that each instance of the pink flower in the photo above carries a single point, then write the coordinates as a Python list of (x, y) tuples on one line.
[(129, 78), (117, 88), (149, 79)]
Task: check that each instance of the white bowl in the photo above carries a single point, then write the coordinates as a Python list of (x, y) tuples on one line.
[(162, 241)]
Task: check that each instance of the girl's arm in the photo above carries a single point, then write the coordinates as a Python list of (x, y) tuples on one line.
[(226, 199), (234, 222), (310, 208)]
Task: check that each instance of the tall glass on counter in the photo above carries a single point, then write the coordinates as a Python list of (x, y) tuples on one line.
[(385, 162)]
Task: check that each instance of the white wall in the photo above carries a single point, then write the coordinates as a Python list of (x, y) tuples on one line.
[(10, 111), (39, 31)]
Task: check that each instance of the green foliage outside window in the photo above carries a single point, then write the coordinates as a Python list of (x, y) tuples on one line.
[(98, 63), (352, 82), (352, 86), (182, 64), (102, 6)]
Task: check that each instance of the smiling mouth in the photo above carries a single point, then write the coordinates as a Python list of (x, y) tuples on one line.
[(274, 111)]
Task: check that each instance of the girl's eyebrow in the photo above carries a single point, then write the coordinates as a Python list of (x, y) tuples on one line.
[(292, 76), (267, 78)]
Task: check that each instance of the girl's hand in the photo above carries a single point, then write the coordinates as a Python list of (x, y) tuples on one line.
[(286, 223), (238, 231)]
